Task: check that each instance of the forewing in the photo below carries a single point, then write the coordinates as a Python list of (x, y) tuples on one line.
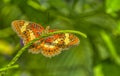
[(27, 30)]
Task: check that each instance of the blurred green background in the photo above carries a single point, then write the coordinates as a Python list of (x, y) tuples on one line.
[(97, 55)]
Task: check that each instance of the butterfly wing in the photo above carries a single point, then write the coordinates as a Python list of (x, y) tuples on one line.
[(27, 30), (55, 44)]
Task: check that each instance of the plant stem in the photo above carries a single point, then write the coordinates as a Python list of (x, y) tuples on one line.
[(6, 68), (30, 43)]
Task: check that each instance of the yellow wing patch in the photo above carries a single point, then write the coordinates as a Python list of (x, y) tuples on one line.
[(23, 28)]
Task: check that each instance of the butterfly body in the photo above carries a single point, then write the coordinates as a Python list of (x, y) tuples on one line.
[(49, 46)]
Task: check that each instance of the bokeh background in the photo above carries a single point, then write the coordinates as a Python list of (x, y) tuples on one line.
[(97, 55)]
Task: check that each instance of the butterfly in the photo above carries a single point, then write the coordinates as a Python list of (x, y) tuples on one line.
[(49, 46)]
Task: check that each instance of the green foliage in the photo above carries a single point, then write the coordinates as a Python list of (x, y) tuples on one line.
[(97, 55)]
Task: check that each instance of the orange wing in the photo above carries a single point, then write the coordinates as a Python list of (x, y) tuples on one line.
[(27, 30), (55, 44)]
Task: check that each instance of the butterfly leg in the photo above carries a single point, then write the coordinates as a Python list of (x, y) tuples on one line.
[(46, 31)]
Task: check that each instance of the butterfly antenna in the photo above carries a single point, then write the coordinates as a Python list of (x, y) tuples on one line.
[(48, 27), (48, 17)]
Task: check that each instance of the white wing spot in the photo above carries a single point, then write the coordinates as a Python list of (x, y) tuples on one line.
[(56, 41), (49, 46), (23, 28), (67, 40), (32, 36)]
